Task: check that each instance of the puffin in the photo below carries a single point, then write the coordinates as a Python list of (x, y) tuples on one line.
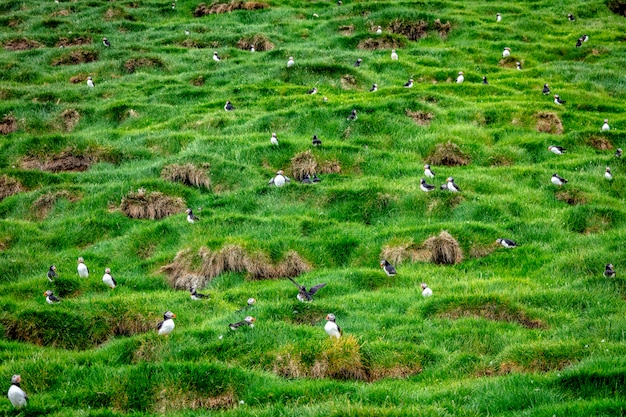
[(248, 321), (52, 273), (191, 218), (571, 17), (279, 180), (605, 126), (585, 38), (358, 62), (460, 78), (426, 292), (108, 279), (609, 272), (409, 83), (290, 62), (303, 294), (618, 152), (579, 42), (106, 42), (557, 100), (506, 52), (557, 180), (389, 269), (312, 91), (16, 395), (379, 30), (187, 32), (306, 179), (518, 66), (252, 48), (374, 88), (316, 178), (50, 297), (216, 57), (507, 243), (315, 141), (424, 186), (83, 271), (173, 6), (353, 115), (331, 327), (498, 17), (166, 326), (607, 174), (557, 150), (546, 89), (451, 185), (443, 186), (250, 303), (428, 172), (90, 83), (228, 106), (485, 80), (394, 55), (196, 296), (274, 139)]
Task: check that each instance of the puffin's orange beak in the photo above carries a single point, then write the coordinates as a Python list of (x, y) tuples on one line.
[(173, 316), (44, 293)]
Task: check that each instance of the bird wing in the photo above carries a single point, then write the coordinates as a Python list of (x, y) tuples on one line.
[(294, 282), (510, 242), (54, 298), (114, 281), (390, 269), (287, 179), (271, 181), (236, 325), (160, 324), (314, 289)]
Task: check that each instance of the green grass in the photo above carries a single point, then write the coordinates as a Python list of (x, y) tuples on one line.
[(536, 330)]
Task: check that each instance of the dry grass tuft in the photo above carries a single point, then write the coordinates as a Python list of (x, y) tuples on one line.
[(330, 167), (9, 186), (442, 28), (77, 79), (600, 142), (292, 266), (509, 62), (218, 8), (571, 196), (260, 42), (448, 154), (495, 312), (403, 252), (444, 249), (70, 118), (67, 160), (346, 29), (413, 31), (21, 44), (78, 41), (347, 81), (187, 174), (302, 164), (134, 64), (8, 124), (548, 122), (382, 42), (340, 359), (422, 118), (153, 206), (46, 202), (80, 56)]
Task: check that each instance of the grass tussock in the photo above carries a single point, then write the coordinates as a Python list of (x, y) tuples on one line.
[(80, 56), (69, 160), (153, 205), (134, 64), (405, 252), (509, 62), (448, 154), (442, 28), (196, 270), (260, 42), (422, 118), (217, 8), (444, 249), (69, 119), (346, 29), (8, 124), (9, 186), (21, 44), (329, 167), (171, 398), (548, 122), (303, 164), (494, 311), (77, 41), (413, 31), (187, 174), (599, 142), (382, 42), (45, 202), (571, 196), (347, 81), (617, 6)]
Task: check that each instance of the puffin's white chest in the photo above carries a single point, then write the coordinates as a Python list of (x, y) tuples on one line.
[(108, 280), (17, 396), (83, 272), (279, 180), (605, 127), (332, 329), (167, 327), (427, 292)]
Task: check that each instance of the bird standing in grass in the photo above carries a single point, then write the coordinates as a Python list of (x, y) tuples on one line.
[(558, 180), (251, 301), (353, 115), (426, 292), (374, 88), (252, 48), (498, 17), (315, 141), (90, 83), (280, 179), (331, 327), (389, 269), (196, 296), (248, 321), (426, 187), (507, 243), (191, 218), (460, 78), (16, 394), (358, 62), (379, 30), (274, 139), (316, 179), (546, 89), (585, 38), (618, 152), (451, 185), (307, 179), (106, 42), (394, 55), (108, 279), (518, 66), (571, 17), (50, 297), (216, 57), (409, 83), (312, 91), (82, 269), (605, 127), (557, 150), (609, 272), (303, 294), (228, 106), (485, 80), (607, 174), (557, 100), (579, 42), (290, 62), (52, 273), (166, 326), (428, 172), (506, 53)]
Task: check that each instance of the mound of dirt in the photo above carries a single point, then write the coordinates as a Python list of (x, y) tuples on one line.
[(8, 124), (413, 31), (444, 249), (134, 64), (218, 8), (21, 44), (77, 41), (68, 160), (80, 56), (448, 154), (70, 118), (260, 43), (187, 174), (422, 118), (9, 186), (548, 122), (153, 206), (381, 42)]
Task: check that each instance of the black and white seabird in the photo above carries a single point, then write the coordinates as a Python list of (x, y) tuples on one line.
[(557, 100), (191, 218), (274, 139), (607, 174), (451, 185), (166, 326), (609, 272), (389, 269), (316, 178), (546, 89), (252, 48), (316, 141), (248, 321), (618, 152), (228, 106), (108, 279), (394, 55), (426, 291), (428, 172), (303, 294), (196, 296), (379, 30), (374, 88), (16, 394), (250, 303), (290, 62), (570, 17), (579, 42), (498, 17), (460, 78), (52, 273), (312, 91), (331, 327), (358, 62), (216, 57), (518, 66), (409, 83), (106, 42), (424, 186), (506, 52), (557, 180), (280, 179), (307, 179), (90, 83), (507, 243), (187, 32), (485, 80), (585, 38), (50, 297), (353, 115), (173, 6), (558, 150), (605, 127), (82, 269)]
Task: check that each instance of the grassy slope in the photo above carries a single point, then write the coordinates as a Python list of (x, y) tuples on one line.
[(469, 366)]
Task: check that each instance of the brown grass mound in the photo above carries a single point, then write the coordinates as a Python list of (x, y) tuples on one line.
[(187, 174), (509, 62), (9, 186), (442, 28), (77, 79), (134, 64), (493, 311), (21, 44), (448, 154), (80, 56), (67, 160), (444, 249), (77, 41), (70, 119), (382, 42), (571, 196), (422, 118), (548, 122), (260, 43), (46, 202), (330, 167), (413, 31), (8, 124), (600, 142), (153, 206), (218, 8), (189, 269), (302, 164), (346, 29), (347, 81), (403, 252)]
